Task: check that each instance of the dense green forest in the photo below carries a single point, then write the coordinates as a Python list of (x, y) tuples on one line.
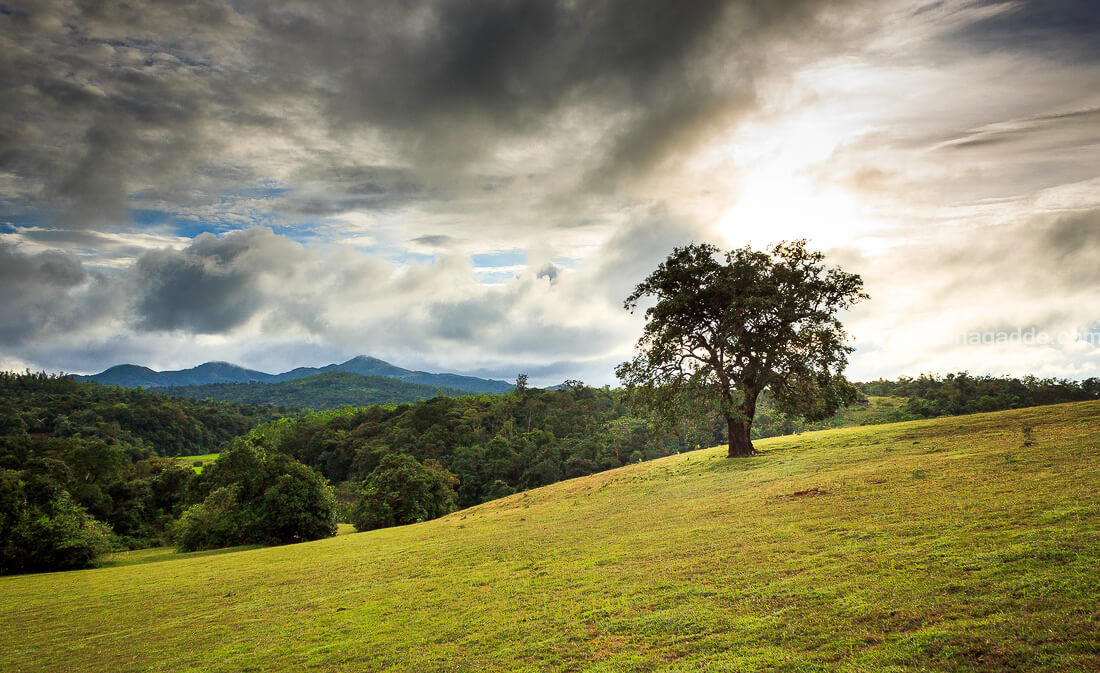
[(84, 467), (34, 407), (320, 391), (494, 445)]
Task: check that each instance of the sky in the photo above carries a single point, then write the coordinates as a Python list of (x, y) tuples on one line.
[(477, 186)]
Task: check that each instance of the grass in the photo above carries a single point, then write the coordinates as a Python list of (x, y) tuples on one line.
[(156, 554), (878, 410), (941, 545), (197, 463)]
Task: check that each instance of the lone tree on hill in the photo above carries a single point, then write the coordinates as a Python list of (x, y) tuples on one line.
[(723, 333)]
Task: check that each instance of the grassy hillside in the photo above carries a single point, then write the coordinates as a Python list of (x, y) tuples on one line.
[(958, 544), (320, 391)]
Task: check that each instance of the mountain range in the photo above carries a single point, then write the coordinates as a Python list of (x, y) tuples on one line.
[(135, 376)]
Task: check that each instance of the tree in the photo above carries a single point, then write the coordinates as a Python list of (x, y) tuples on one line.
[(256, 496), (401, 491), (42, 528), (723, 333), (217, 521)]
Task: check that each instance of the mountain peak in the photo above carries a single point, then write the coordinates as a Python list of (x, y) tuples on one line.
[(368, 366), (218, 364), (365, 358), (129, 368)]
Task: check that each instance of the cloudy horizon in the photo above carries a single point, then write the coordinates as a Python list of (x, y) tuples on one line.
[(476, 187)]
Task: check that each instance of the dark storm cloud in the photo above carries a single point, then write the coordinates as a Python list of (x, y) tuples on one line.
[(1071, 245), (1029, 154), (464, 320), (105, 100), (46, 294), (109, 102), (636, 249), (353, 186), (1068, 29), (1037, 262), (52, 268), (450, 80), (213, 285)]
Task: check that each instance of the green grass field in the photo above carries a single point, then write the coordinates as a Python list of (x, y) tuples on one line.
[(197, 463), (943, 545), (878, 410)]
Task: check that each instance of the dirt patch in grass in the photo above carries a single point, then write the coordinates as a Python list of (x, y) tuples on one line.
[(809, 491)]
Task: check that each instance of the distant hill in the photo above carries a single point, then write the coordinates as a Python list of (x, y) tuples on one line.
[(134, 376), (327, 390)]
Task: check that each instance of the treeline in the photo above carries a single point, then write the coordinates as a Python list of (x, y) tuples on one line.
[(492, 445), (34, 406), (83, 467), (931, 395)]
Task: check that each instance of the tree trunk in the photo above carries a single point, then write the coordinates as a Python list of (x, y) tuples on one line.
[(740, 438)]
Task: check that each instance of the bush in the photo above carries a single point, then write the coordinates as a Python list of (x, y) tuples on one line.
[(498, 489), (578, 466), (257, 497), (347, 495), (402, 491), (217, 521)]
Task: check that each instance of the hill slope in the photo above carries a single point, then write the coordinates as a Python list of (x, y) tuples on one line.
[(320, 391), (957, 544)]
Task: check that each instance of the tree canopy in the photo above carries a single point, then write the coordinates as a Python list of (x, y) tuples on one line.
[(726, 326), (256, 496), (401, 491)]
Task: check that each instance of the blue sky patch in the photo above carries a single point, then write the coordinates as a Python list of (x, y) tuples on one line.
[(499, 258)]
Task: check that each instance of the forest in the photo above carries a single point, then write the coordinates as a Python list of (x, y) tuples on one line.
[(86, 468)]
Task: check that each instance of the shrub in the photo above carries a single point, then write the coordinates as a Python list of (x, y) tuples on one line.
[(257, 497), (498, 489), (579, 466), (402, 491), (218, 521)]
